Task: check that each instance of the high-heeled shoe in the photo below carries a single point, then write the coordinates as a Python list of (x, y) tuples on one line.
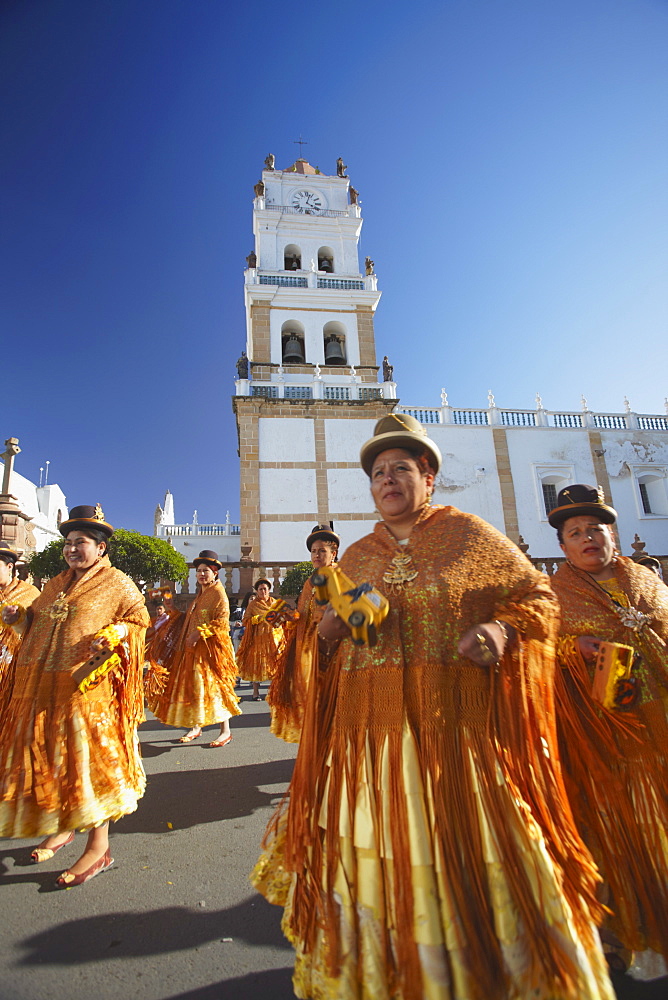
[(68, 879), (41, 854)]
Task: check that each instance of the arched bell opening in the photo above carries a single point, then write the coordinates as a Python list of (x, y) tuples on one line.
[(326, 260), (335, 343), (292, 258), (292, 343)]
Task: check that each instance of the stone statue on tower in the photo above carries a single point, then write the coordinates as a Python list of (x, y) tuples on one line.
[(242, 365)]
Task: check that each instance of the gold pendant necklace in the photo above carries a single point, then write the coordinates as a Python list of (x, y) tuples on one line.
[(400, 573), (60, 608)]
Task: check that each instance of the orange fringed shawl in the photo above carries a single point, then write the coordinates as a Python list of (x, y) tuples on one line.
[(428, 849), (16, 592), (200, 688), (617, 761), (299, 658), (159, 652), (260, 644), (70, 760)]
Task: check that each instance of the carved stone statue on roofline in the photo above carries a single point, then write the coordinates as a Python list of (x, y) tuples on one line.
[(270, 162), (369, 265), (341, 168), (242, 366), (251, 259), (388, 370)]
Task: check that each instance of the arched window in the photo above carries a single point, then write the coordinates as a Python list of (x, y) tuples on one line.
[(550, 481), (292, 258), (326, 259), (292, 343), (334, 335)]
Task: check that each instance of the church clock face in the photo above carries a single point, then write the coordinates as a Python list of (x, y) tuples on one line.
[(308, 202)]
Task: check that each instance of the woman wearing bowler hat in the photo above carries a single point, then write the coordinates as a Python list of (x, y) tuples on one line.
[(200, 688), (426, 848), (299, 657), (616, 759), (261, 642), (13, 590), (69, 756)]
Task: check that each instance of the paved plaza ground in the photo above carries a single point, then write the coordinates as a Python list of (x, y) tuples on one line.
[(175, 918)]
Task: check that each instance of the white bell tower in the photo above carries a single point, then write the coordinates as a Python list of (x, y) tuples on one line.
[(310, 357)]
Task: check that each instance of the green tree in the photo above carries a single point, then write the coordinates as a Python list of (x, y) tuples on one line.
[(47, 563), (144, 558), (295, 579)]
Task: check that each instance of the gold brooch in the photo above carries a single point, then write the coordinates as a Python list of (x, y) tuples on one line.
[(400, 573), (60, 608)]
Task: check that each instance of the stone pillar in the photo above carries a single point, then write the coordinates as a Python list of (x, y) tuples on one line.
[(15, 528)]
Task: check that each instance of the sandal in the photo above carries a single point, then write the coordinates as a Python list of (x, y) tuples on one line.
[(41, 854), (221, 741), (68, 879)]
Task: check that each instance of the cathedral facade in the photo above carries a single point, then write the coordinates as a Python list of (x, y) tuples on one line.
[(310, 389)]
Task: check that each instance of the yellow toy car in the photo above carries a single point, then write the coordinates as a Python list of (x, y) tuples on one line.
[(362, 607)]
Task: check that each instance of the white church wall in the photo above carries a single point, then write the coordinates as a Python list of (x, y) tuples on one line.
[(352, 531), (344, 438), (349, 491), (468, 478), (543, 453), (286, 439), (284, 540), (288, 491), (631, 456)]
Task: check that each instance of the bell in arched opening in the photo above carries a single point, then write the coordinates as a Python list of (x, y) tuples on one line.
[(293, 351), (325, 264), (334, 354)]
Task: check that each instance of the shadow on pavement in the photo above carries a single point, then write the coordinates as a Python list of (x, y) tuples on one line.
[(128, 934), (275, 984), (190, 798)]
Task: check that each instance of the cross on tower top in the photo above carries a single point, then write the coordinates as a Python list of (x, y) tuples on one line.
[(300, 142)]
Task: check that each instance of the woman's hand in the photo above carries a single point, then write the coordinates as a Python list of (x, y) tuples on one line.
[(332, 627), (10, 614), (485, 643), (588, 645)]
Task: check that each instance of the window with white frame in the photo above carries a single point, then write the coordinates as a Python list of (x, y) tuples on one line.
[(651, 492), (549, 480)]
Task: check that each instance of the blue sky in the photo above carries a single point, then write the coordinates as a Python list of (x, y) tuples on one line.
[(511, 160)]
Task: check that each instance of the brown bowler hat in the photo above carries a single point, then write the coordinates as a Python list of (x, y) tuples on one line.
[(209, 557), (322, 533), (398, 430), (86, 517), (581, 499)]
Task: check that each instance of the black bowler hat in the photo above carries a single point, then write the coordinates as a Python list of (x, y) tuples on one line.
[(209, 557), (322, 533), (581, 499), (86, 517), (8, 554), (262, 580)]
